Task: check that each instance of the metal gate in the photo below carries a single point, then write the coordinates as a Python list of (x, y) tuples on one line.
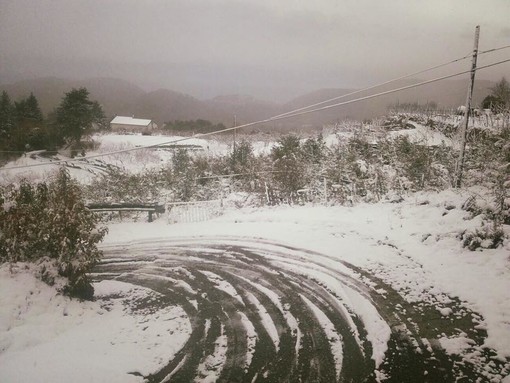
[(185, 212)]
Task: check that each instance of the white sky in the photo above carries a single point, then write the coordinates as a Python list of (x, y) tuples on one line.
[(245, 46)]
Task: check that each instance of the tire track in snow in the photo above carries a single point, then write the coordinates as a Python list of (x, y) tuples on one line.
[(263, 312)]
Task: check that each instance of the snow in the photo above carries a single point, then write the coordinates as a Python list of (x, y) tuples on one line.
[(210, 368), (413, 246), (132, 153), (456, 345), (47, 337), (378, 331), (423, 134), (130, 121), (252, 338), (223, 285), (284, 309), (267, 321), (334, 339)]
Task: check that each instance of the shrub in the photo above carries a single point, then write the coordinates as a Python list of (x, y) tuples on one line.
[(50, 221), (118, 185), (487, 238)]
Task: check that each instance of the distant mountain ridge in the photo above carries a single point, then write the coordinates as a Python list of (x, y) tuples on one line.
[(120, 97)]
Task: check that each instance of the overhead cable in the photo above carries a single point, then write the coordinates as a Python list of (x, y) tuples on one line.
[(271, 119)]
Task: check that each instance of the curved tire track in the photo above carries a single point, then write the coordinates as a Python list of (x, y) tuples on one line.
[(216, 279)]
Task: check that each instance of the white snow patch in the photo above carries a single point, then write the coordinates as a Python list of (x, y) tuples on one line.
[(445, 311), (456, 345), (267, 321), (210, 368), (289, 318), (251, 339), (378, 331), (334, 339), (223, 285), (45, 336)]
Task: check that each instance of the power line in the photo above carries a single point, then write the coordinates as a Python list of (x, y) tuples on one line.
[(393, 80), (271, 119), (493, 50), (390, 91), (376, 86)]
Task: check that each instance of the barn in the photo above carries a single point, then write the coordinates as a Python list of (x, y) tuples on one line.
[(131, 124)]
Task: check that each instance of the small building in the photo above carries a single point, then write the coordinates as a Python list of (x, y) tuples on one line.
[(131, 124)]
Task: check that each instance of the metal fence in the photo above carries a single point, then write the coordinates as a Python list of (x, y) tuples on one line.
[(186, 212)]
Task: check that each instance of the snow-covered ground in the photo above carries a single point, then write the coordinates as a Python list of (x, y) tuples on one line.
[(45, 337), (413, 246), (132, 153)]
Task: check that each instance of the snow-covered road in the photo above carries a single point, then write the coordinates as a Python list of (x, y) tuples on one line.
[(261, 311), (381, 291)]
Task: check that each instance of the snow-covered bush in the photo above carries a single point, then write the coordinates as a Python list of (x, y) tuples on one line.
[(50, 221), (488, 164), (485, 238), (118, 185)]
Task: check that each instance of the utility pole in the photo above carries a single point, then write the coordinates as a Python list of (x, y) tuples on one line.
[(235, 124), (463, 138), (234, 145)]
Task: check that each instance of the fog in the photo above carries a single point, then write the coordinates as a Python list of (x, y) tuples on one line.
[(267, 48)]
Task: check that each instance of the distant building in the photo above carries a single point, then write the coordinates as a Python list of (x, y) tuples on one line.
[(131, 124)]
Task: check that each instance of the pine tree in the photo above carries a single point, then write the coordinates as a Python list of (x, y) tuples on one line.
[(32, 109), (28, 109), (29, 132), (76, 115), (6, 115), (184, 175)]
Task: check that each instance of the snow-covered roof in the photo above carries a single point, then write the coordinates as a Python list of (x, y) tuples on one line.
[(130, 121)]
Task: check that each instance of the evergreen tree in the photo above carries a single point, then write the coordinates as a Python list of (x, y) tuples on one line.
[(241, 158), (288, 165), (6, 116), (502, 91), (76, 115), (29, 131), (499, 99), (184, 175), (28, 109), (32, 109)]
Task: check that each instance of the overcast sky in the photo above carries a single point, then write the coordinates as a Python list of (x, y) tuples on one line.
[(268, 48)]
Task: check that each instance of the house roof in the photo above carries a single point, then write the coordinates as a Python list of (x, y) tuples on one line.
[(130, 121)]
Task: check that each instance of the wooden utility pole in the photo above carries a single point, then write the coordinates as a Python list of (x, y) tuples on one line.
[(234, 144), (235, 124), (463, 138)]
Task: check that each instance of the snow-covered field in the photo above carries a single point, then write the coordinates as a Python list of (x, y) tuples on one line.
[(412, 246), (130, 152)]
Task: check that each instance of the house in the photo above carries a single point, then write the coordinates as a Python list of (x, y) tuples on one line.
[(131, 124)]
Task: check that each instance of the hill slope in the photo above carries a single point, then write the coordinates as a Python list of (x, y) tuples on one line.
[(120, 97)]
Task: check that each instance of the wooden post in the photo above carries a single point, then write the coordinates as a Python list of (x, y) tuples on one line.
[(460, 165), (325, 190), (234, 146)]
